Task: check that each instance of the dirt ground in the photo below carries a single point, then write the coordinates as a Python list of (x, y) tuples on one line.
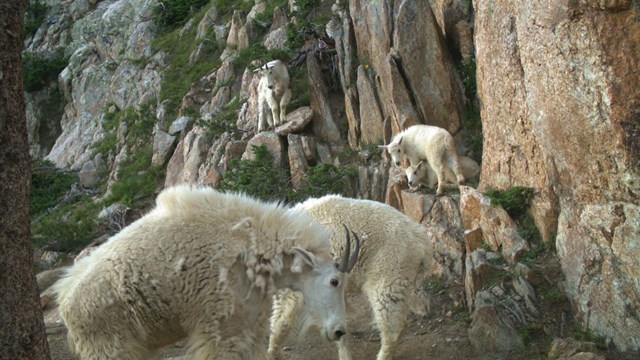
[(441, 334), (435, 336)]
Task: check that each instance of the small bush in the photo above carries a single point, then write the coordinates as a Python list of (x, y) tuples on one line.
[(138, 180), (226, 7), (224, 121), (299, 86), (514, 200), (180, 73), (48, 185), (257, 177), (434, 285), (69, 228), (324, 179), (169, 14), (41, 69), (34, 16)]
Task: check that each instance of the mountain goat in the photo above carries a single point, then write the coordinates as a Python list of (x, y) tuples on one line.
[(423, 174), (273, 91), (395, 252), (427, 143), (202, 265)]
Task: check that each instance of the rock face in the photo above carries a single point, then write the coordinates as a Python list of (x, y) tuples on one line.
[(560, 110), (415, 78), (105, 42)]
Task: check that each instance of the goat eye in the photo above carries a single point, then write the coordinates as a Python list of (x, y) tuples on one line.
[(334, 282), (415, 173)]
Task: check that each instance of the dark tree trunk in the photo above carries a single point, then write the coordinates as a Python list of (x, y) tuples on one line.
[(22, 334)]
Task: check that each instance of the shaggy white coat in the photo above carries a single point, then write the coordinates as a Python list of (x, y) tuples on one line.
[(202, 265), (427, 143), (274, 92), (395, 253)]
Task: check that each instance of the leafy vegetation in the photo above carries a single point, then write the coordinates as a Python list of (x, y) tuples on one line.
[(224, 121), (324, 179), (471, 121), (48, 185), (69, 227), (181, 72), (514, 200), (226, 7), (434, 285), (41, 69), (138, 180), (34, 16), (257, 177), (249, 176), (169, 14)]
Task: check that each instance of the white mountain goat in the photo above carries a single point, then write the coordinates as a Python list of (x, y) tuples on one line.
[(202, 265), (423, 174), (395, 253), (274, 92), (427, 143)]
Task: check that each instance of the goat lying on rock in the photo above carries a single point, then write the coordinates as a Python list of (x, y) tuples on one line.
[(427, 143), (203, 265), (423, 174), (395, 252), (274, 92)]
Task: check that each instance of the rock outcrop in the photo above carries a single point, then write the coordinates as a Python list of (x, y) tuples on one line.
[(558, 86)]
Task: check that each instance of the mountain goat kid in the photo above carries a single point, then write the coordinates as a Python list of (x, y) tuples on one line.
[(202, 265), (427, 143), (395, 252), (423, 174), (273, 91)]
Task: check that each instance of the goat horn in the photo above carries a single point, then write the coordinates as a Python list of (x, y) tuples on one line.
[(354, 255), (344, 262)]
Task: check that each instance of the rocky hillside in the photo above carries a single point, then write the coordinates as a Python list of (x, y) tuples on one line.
[(125, 97)]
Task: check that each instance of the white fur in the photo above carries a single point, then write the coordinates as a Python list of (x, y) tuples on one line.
[(427, 143), (274, 92), (202, 265), (422, 174), (395, 253)]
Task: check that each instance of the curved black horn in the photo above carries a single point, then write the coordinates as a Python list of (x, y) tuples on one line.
[(354, 255), (344, 262)]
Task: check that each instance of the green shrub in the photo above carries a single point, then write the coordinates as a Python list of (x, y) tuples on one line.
[(48, 185), (257, 177), (299, 86), (324, 179), (180, 74), (169, 14), (514, 200), (138, 180), (224, 121), (69, 228), (34, 16), (42, 69), (226, 7)]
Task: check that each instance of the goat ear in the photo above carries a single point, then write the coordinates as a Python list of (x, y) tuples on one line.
[(383, 146), (300, 256)]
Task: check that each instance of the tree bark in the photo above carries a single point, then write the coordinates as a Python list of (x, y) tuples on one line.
[(22, 333)]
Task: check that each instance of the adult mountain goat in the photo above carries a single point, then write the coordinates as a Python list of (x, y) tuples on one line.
[(274, 92), (427, 143), (395, 252), (202, 265)]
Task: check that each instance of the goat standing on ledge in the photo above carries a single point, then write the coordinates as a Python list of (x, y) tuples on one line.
[(274, 91)]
